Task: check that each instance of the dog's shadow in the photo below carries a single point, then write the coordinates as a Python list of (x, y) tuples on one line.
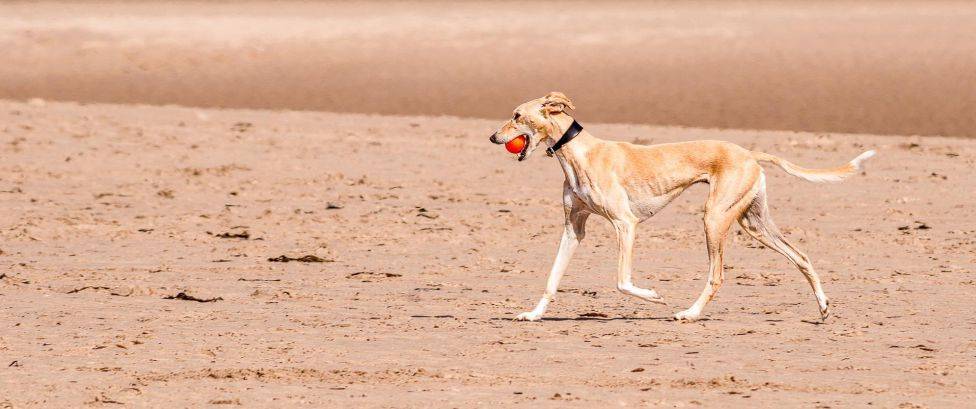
[(607, 319), (665, 319), (576, 318), (599, 319)]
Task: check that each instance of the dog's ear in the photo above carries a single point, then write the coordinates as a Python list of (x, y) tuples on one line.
[(556, 102)]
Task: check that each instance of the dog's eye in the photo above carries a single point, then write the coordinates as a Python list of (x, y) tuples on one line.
[(517, 116)]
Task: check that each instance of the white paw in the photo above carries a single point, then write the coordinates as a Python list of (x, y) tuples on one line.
[(645, 294), (824, 310), (655, 298), (687, 316), (527, 316)]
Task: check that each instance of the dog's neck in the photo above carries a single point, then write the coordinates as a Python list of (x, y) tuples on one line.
[(577, 146), (572, 154)]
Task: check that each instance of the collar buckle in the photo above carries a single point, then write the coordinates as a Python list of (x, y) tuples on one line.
[(570, 133)]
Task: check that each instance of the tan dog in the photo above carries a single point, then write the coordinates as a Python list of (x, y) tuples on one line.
[(628, 183)]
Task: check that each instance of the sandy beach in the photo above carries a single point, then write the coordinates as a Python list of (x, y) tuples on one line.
[(282, 204), (430, 242)]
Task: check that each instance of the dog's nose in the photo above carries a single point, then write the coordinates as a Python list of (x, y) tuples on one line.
[(492, 138)]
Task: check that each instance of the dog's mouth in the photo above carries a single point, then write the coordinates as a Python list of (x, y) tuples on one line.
[(525, 149)]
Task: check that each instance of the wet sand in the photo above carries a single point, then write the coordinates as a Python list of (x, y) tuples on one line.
[(867, 67)]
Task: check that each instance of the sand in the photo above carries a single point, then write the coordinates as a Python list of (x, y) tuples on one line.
[(431, 240), (901, 67), (318, 233)]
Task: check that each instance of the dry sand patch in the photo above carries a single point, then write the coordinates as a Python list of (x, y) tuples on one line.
[(412, 307)]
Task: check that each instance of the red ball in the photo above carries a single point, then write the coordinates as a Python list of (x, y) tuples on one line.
[(516, 145)]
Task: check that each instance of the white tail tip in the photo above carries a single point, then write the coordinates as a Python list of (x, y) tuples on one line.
[(861, 158)]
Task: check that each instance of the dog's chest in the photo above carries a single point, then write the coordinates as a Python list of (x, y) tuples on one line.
[(572, 179)]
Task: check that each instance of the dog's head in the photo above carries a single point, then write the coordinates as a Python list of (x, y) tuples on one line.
[(534, 119)]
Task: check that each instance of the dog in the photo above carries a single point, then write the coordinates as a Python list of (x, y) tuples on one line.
[(627, 184)]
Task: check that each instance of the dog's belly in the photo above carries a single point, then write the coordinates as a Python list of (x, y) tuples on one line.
[(646, 205)]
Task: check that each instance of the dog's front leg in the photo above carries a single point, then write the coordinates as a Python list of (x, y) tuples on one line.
[(572, 235), (626, 232)]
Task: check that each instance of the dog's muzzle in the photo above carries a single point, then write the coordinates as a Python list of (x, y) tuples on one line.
[(494, 138)]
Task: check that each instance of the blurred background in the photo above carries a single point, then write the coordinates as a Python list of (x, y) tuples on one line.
[(866, 67)]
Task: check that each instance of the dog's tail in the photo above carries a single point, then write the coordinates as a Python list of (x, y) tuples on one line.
[(816, 175)]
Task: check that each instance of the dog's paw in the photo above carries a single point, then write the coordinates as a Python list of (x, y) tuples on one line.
[(657, 299), (645, 294), (527, 316), (648, 294), (687, 316), (825, 311)]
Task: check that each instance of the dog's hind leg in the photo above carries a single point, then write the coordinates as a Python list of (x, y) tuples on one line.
[(716, 229), (573, 233), (757, 222), (728, 199)]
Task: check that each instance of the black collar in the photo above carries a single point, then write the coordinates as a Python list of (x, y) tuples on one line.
[(571, 133)]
